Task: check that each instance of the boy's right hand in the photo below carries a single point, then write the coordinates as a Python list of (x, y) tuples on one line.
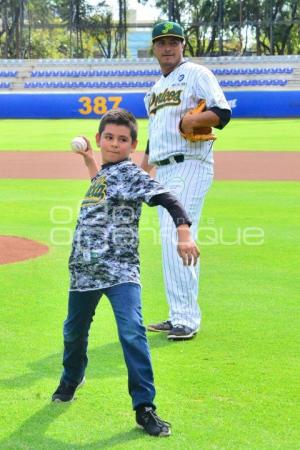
[(89, 159), (88, 152)]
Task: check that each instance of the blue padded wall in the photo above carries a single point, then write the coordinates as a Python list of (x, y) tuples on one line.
[(250, 103)]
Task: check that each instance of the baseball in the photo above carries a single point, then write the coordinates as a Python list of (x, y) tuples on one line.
[(78, 144)]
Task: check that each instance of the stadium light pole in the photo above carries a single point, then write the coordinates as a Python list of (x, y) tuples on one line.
[(122, 29), (240, 27), (271, 28), (125, 29), (171, 10), (71, 8), (221, 26)]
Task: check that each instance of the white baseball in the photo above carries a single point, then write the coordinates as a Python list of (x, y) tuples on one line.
[(78, 144)]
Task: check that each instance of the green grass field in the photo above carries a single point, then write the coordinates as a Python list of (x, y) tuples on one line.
[(240, 134), (234, 387)]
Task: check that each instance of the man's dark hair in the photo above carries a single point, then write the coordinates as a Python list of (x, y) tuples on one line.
[(120, 116)]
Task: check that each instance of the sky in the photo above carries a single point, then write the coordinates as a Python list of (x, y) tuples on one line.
[(148, 12)]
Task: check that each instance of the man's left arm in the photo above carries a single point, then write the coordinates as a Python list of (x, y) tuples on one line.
[(224, 116), (198, 122), (213, 109)]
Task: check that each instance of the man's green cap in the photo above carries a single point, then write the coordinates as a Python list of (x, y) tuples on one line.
[(167, 29)]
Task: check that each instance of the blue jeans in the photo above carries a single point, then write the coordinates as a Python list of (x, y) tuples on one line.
[(125, 300)]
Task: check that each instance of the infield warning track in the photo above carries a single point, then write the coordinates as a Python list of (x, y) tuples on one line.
[(228, 165)]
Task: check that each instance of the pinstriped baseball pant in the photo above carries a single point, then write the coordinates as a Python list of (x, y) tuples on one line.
[(189, 181)]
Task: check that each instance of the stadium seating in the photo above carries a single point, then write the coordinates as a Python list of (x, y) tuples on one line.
[(256, 82), (5, 85), (12, 62), (153, 72), (141, 84), (240, 72), (8, 73), (253, 70), (87, 84), (93, 73)]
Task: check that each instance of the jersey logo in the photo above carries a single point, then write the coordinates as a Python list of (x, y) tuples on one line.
[(96, 193), (181, 77), (165, 98)]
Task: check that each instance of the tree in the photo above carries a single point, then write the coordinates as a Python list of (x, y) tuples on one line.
[(45, 28), (12, 15), (269, 24), (102, 29), (74, 13)]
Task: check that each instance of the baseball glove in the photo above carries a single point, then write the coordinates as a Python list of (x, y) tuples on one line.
[(200, 133)]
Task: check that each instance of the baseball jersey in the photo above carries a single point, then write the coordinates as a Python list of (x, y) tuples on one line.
[(167, 102), (105, 243)]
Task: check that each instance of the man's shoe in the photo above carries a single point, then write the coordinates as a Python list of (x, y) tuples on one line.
[(65, 391), (165, 326), (147, 419), (181, 333)]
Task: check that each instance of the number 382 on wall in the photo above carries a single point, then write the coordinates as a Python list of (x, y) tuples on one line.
[(98, 105)]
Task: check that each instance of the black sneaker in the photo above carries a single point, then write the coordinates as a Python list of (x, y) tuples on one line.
[(65, 391), (147, 419), (165, 326), (181, 333)]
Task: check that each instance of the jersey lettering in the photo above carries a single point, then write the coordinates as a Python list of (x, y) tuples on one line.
[(165, 98)]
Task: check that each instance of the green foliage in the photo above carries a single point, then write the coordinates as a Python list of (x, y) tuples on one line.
[(211, 26), (237, 27), (56, 28), (49, 43)]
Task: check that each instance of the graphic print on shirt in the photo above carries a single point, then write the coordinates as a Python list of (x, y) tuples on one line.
[(105, 243), (96, 193)]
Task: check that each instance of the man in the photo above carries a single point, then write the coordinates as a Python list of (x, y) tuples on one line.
[(185, 167)]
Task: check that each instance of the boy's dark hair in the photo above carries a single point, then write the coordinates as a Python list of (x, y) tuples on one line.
[(120, 116)]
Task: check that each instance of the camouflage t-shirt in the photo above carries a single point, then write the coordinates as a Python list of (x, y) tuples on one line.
[(105, 244)]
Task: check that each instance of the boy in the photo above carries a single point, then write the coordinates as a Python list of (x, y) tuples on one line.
[(104, 260)]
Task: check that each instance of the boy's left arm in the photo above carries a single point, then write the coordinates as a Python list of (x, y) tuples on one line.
[(186, 246)]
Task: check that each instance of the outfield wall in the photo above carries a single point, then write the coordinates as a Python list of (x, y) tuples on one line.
[(255, 104)]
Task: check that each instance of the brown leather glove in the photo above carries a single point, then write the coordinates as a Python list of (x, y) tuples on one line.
[(200, 133)]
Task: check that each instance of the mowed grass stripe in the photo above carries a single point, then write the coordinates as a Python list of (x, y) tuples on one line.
[(239, 135), (235, 386)]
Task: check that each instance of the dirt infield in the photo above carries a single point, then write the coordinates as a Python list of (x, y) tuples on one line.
[(15, 249), (228, 165)]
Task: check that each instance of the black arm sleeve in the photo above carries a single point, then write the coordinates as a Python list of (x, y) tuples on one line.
[(147, 148), (223, 114), (173, 206)]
